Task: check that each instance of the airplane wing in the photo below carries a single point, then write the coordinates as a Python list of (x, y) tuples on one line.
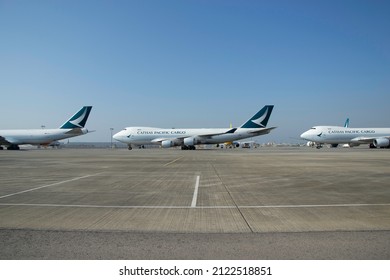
[(159, 140), (255, 132), (366, 140), (206, 136), (215, 134), (4, 141)]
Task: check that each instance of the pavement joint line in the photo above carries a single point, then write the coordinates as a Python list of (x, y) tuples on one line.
[(173, 161), (195, 197), (232, 198), (191, 207), (51, 185)]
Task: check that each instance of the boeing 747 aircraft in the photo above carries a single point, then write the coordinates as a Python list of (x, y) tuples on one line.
[(71, 128), (376, 137), (187, 138), (334, 145)]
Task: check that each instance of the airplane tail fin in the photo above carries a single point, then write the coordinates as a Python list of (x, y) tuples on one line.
[(260, 119), (79, 119), (346, 123)]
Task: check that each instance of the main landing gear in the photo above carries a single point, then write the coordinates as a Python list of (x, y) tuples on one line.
[(191, 147), (13, 147), (129, 147)]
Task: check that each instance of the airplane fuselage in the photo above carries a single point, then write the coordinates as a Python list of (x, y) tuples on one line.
[(184, 136), (343, 135), (74, 126), (40, 136)]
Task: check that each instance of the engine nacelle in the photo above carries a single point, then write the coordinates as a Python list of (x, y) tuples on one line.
[(352, 144), (167, 143), (382, 143), (310, 144), (191, 141)]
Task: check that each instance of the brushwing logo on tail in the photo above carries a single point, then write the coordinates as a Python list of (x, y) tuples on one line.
[(79, 119), (261, 119)]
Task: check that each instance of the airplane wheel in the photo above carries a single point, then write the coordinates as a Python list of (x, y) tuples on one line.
[(13, 147)]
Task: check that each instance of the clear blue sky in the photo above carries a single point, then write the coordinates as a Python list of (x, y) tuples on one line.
[(195, 63)]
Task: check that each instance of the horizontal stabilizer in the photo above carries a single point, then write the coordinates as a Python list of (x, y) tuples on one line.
[(262, 130)]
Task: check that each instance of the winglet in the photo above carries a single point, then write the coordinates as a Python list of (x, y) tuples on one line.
[(79, 119), (260, 119), (231, 130)]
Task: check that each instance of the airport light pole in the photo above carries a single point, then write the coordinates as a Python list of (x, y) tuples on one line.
[(111, 129)]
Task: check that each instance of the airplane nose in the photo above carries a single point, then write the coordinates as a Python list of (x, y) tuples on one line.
[(116, 136), (304, 135)]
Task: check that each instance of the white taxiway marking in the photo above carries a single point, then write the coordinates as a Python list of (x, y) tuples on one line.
[(50, 185), (172, 161), (195, 197)]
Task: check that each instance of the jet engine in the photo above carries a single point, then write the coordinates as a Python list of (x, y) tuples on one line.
[(310, 144), (191, 141), (167, 143), (382, 143)]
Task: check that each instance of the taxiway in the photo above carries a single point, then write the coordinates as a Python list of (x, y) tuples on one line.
[(266, 203)]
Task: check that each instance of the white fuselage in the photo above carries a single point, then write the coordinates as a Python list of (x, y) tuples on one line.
[(150, 135), (344, 135), (39, 136)]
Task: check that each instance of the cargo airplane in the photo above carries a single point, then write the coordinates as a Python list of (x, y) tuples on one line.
[(187, 138), (333, 145), (71, 128), (375, 137)]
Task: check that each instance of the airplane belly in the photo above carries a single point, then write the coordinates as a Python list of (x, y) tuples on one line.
[(339, 139), (38, 139), (142, 139)]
